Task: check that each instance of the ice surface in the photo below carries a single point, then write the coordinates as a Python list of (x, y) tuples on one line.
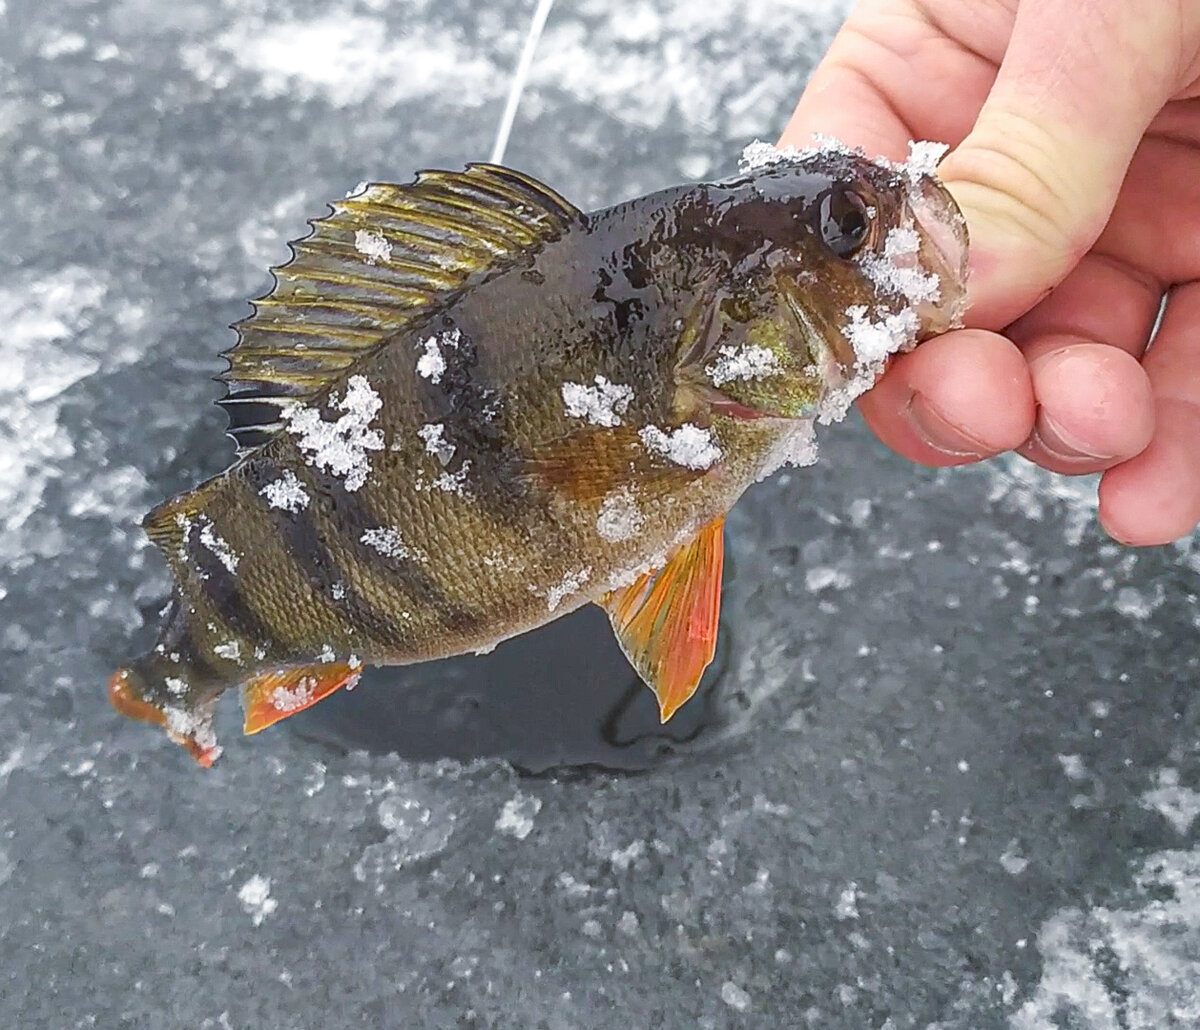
[(394, 899)]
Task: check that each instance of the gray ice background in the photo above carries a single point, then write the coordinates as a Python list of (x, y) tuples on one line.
[(958, 783)]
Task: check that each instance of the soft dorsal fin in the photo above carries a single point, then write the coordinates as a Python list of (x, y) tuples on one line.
[(666, 621), (384, 258)]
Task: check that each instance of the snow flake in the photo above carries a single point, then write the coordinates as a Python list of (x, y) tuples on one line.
[(746, 362), (286, 492), (388, 542), (432, 362), (226, 554), (231, 650), (689, 445), (292, 699), (601, 405), (372, 245), (255, 896), (516, 817), (340, 447), (434, 435)]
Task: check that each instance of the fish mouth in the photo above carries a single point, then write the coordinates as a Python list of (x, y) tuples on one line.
[(944, 251)]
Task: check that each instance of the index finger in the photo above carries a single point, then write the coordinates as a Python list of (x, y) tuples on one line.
[(891, 76)]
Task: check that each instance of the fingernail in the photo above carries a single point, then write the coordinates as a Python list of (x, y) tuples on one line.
[(1056, 441), (940, 433)]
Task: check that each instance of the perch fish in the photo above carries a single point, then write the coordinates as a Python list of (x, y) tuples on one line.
[(467, 408)]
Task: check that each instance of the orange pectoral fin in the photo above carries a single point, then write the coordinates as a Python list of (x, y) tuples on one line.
[(279, 693), (666, 621)]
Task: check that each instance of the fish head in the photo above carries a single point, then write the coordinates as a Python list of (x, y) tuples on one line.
[(835, 263)]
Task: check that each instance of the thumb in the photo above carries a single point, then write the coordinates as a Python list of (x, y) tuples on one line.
[(1038, 175)]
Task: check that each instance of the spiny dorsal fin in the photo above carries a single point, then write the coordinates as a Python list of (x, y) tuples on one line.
[(383, 259)]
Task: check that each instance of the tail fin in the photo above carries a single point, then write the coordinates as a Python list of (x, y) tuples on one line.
[(165, 688)]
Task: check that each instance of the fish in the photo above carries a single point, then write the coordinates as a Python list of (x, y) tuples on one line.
[(467, 408)]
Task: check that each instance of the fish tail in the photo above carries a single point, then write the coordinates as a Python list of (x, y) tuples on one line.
[(168, 687)]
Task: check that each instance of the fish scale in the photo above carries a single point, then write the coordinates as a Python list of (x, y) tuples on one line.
[(492, 409)]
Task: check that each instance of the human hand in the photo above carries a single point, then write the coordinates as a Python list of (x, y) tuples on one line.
[(1076, 128)]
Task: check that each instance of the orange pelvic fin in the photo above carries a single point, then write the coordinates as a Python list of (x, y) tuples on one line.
[(279, 693), (666, 621)]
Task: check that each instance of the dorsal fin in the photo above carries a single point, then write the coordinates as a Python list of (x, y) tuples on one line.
[(383, 259)]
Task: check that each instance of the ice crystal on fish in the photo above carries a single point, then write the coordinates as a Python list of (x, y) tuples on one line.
[(192, 725), (225, 554), (620, 518), (326, 654), (571, 583), (874, 339), (434, 435), (230, 650), (454, 482), (387, 541), (602, 404), (797, 448), (747, 362), (896, 271), (431, 364), (689, 445), (176, 686), (286, 492), (340, 447), (923, 157), (292, 699), (372, 245)]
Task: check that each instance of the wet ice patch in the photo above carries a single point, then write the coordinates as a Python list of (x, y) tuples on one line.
[(745, 363), (602, 404), (340, 446), (1178, 804), (255, 896), (620, 518), (344, 58), (431, 364), (689, 445), (372, 245)]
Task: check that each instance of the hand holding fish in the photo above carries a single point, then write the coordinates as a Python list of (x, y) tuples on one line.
[(1077, 165)]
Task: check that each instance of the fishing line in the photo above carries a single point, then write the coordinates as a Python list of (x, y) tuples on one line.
[(519, 78)]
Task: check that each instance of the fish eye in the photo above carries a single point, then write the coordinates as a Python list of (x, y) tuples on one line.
[(842, 221)]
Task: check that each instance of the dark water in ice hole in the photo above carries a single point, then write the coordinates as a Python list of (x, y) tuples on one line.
[(559, 697)]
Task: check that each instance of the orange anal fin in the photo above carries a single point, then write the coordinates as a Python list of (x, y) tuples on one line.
[(666, 621), (279, 693)]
